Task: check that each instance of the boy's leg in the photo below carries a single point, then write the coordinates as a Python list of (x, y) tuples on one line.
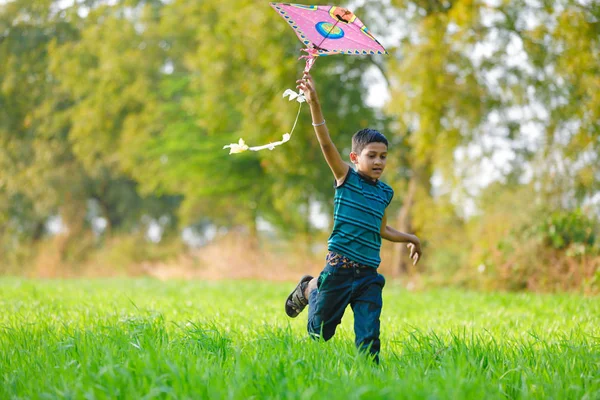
[(327, 303), (367, 304)]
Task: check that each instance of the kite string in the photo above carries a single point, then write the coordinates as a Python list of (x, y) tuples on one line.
[(286, 137), (296, 121)]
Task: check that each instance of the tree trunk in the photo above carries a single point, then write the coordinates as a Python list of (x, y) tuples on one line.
[(38, 231), (72, 213), (105, 209)]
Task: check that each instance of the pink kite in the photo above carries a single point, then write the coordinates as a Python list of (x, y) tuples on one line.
[(324, 30)]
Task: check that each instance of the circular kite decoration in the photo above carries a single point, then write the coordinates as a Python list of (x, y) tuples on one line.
[(329, 30)]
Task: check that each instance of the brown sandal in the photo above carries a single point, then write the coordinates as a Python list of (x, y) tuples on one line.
[(296, 302)]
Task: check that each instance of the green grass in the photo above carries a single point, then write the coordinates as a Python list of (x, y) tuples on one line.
[(148, 339)]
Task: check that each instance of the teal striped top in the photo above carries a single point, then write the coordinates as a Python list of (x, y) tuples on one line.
[(359, 205)]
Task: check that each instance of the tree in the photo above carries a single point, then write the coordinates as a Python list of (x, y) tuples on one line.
[(468, 74)]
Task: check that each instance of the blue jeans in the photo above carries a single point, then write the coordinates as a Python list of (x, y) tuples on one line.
[(336, 288)]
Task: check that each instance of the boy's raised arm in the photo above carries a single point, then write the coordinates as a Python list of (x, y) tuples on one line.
[(331, 153)]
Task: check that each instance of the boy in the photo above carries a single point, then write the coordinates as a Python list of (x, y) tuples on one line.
[(350, 274)]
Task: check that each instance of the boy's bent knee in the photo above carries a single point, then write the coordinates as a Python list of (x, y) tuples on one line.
[(322, 333)]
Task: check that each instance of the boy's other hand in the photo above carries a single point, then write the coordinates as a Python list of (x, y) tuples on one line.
[(415, 251), (307, 85)]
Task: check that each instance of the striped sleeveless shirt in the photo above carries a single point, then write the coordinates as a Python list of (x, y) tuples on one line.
[(359, 205)]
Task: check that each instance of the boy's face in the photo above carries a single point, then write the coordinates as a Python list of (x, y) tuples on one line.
[(371, 160)]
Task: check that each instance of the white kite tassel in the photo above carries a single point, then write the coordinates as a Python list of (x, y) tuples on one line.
[(238, 147), (241, 146), (293, 95), (272, 145)]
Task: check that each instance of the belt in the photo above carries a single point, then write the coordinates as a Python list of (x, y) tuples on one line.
[(337, 260)]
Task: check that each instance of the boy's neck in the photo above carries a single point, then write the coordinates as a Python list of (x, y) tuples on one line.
[(366, 177)]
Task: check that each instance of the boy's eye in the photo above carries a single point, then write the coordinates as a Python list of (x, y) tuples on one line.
[(383, 157)]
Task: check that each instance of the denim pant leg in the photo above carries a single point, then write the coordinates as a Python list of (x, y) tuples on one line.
[(327, 303), (366, 304)]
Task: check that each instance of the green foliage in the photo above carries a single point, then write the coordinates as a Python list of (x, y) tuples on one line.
[(514, 243), (557, 250), (560, 230)]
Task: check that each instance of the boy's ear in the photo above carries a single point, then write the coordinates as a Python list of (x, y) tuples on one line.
[(353, 157)]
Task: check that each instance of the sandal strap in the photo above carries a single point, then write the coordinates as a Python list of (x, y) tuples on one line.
[(298, 298)]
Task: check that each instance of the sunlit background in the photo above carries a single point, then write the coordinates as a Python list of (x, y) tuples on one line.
[(114, 114)]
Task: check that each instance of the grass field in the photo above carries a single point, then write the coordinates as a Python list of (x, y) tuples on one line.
[(216, 340)]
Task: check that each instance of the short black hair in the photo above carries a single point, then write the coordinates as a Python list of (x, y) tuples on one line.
[(362, 138)]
